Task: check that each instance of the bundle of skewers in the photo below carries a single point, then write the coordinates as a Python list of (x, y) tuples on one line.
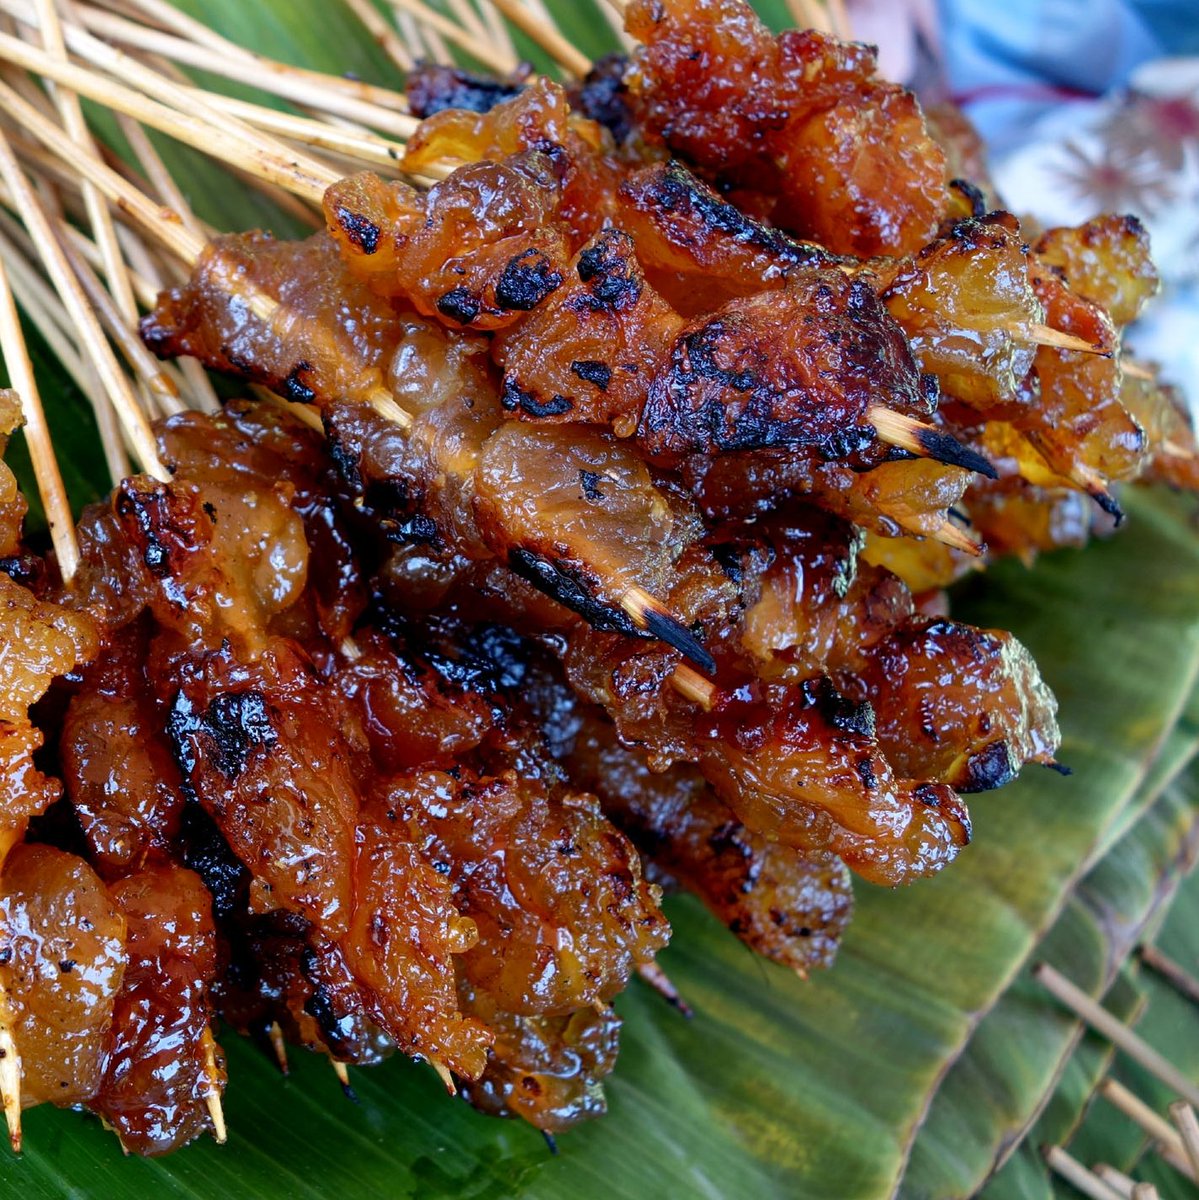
[(581, 532)]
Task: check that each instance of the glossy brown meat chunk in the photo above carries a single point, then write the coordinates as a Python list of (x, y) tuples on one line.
[(556, 892), (477, 250), (967, 306), (270, 753), (403, 937), (119, 772), (701, 250), (547, 1070), (1105, 261), (797, 368), (802, 766), (1080, 426), (973, 725), (330, 334), (156, 1077), (820, 609), (63, 959), (589, 352), (12, 503), (801, 117), (789, 906)]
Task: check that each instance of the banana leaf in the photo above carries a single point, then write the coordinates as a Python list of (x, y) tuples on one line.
[(776, 1087)]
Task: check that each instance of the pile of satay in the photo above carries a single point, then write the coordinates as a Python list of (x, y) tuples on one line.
[(593, 546)]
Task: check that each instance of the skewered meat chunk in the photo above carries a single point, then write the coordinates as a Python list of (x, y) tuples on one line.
[(12, 503), (1079, 425), (562, 912), (156, 1074), (1165, 416), (1105, 261), (547, 1070), (330, 335), (480, 249), (63, 958), (405, 933), (120, 775), (615, 329), (820, 609), (699, 249), (802, 766), (786, 905), (798, 368), (972, 726), (270, 754), (800, 117), (967, 307)]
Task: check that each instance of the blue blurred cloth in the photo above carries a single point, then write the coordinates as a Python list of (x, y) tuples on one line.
[(1005, 58)]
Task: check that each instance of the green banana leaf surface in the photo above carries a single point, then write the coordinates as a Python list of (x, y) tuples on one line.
[(919, 1063)]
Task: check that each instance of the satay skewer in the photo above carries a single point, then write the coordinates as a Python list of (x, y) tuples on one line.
[(212, 1089), (926, 441), (560, 49)]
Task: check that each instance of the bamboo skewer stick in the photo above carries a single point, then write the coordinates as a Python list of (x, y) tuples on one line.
[(560, 49), (382, 33), (1133, 1107), (453, 33), (497, 31), (1145, 1191), (1116, 1032), (1116, 1180), (219, 136), (1170, 971), (1071, 1170), (83, 317), (212, 1090), (377, 108), (1187, 1124), (159, 178), (45, 311), (362, 145), (140, 360), (99, 218), (189, 30), (99, 222), (37, 434)]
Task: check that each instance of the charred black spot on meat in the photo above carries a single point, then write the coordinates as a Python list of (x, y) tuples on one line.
[(590, 481), (360, 231), (603, 96), (843, 714), (236, 724), (672, 188), (294, 387), (992, 767), (432, 88), (145, 508), (597, 373), (460, 304), (514, 396), (526, 281), (609, 267), (206, 852)]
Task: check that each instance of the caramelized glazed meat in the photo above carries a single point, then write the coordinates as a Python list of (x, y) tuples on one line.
[(789, 906), (547, 1070), (158, 1073), (846, 158), (967, 306), (972, 727), (562, 912), (799, 368), (62, 960)]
